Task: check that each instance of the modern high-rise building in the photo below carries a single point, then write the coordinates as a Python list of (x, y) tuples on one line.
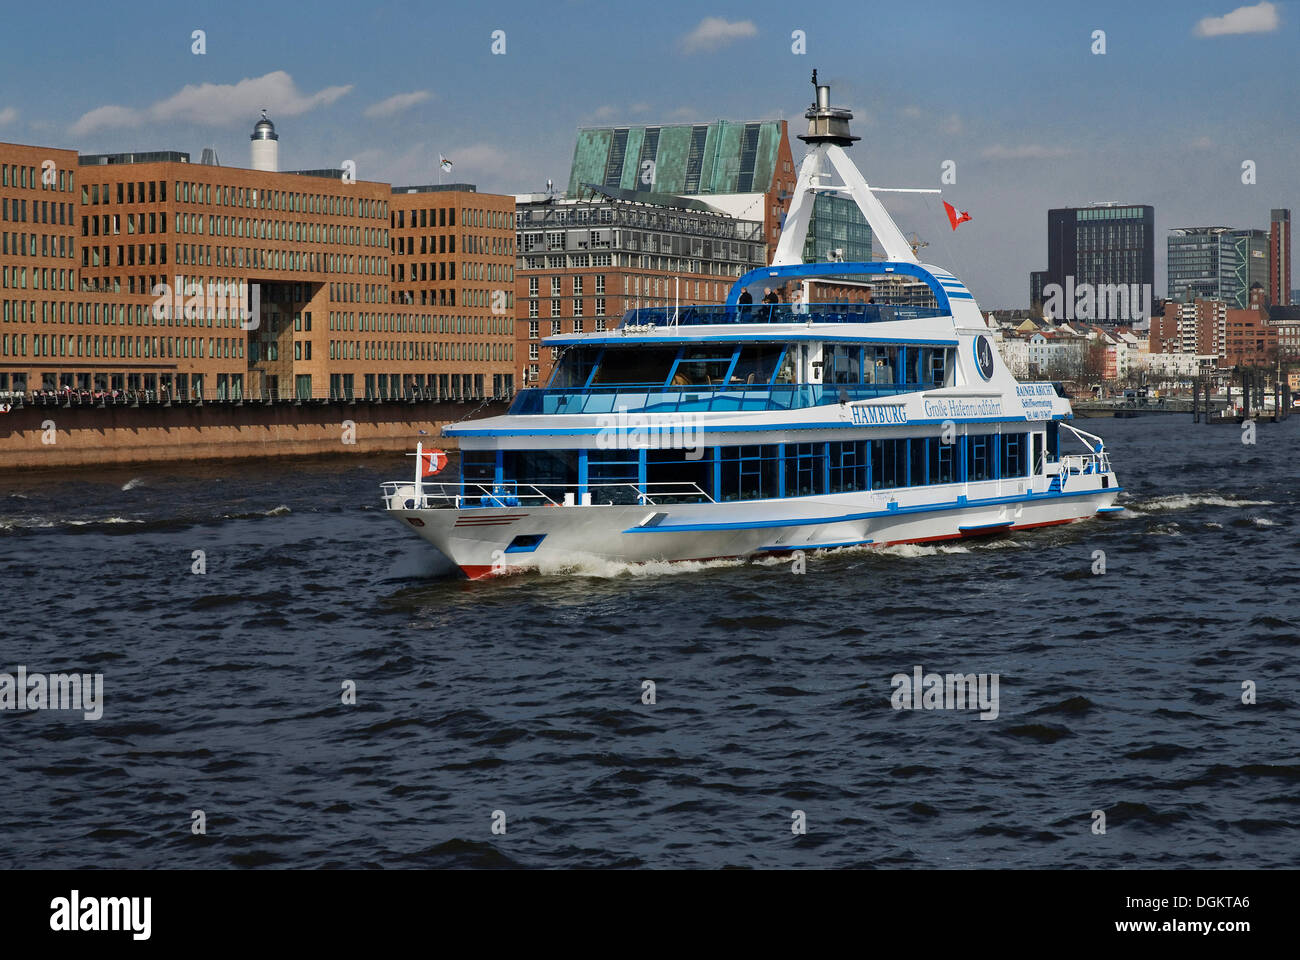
[(583, 262), (1216, 263), (742, 169), (838, 231), (1108, 244), (1279, 257)]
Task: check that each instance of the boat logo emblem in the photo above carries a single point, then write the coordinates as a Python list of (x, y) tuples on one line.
[(984, 357), (415, 521)]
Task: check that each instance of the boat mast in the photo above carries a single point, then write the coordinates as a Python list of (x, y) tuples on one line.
[(827, 136)]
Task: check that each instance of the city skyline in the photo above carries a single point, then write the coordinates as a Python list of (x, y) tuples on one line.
[(1011, 104)]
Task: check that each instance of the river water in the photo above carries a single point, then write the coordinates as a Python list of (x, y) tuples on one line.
[(520, 701)]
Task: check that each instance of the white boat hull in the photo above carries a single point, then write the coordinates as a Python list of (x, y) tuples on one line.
[(478, 540)]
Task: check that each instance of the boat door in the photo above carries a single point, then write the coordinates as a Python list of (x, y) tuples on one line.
[(1038, 455)]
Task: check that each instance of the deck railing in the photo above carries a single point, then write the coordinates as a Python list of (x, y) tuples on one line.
[(403, 495), (697, 399), (694, 315)]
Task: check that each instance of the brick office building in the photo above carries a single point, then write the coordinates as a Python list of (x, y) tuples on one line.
[(583, 262), (453, 261), (1279, 257), (91, 301), (1211, 328), (40, 304)]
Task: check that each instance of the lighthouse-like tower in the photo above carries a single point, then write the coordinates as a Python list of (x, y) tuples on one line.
[(827, 138), (265, 146)]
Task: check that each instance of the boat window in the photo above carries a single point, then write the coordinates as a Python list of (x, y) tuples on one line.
[(979, 457), (841, 363), (1015, 463), (880, 364), (849, 462), (613, 475), (636, 365), (543, 468), (671, 477), (941, 461), (574, 367), (757, 363), (478, 466), (788, 372), (703, 365), (931, 365), (750, 473), (888, 464), (805, 469)]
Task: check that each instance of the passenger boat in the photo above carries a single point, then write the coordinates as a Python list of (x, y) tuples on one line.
[(734, 430)]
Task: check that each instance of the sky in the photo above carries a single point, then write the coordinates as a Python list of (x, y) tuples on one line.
[(1016, 94)]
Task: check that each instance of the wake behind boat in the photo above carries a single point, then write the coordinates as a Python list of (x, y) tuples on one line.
[(700, 432)]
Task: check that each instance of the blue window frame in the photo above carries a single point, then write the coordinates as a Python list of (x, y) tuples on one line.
[(805, 469), (478, 466), (916, 451), (614, 467), (888, 464), (749, 472), (1015, 463), (849, 460), (942, 460), (979, 457)]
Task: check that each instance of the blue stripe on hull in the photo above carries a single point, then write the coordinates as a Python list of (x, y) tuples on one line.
[(920, 508)]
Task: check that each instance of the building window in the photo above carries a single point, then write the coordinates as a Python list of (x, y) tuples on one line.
[(600, 324), (600, 306), (577, 306), (532, 330), (577, 325), (532, 351), (555, 308), (555, 286), (577, 286), (532, 286), (555, 328), (532, 308)]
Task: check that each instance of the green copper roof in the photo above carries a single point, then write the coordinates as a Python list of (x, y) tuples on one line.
[(718, 157)]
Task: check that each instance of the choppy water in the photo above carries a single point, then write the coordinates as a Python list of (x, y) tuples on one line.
[(1118, 692)]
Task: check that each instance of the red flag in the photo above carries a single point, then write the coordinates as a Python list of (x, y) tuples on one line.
[(953, 217), (431, 461)]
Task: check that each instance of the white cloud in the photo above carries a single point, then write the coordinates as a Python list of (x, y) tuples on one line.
[(1261, 18), (1027, 151), (8, 115), (217, 104), (397, 103), (103, 118), (713, 33)]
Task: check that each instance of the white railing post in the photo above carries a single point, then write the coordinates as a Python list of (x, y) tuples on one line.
[(419, 471)]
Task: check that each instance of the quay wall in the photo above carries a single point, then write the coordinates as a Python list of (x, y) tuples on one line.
[(123, 435)]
